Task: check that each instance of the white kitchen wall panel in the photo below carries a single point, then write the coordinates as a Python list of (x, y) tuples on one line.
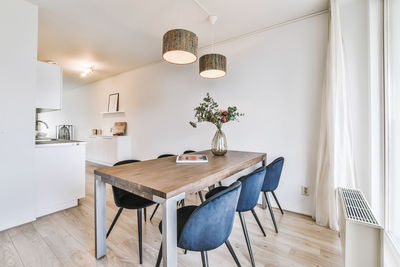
[(18, 52)]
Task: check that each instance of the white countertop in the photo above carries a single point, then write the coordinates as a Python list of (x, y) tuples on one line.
[(60, 143)]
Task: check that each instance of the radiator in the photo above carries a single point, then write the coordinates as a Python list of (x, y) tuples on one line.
[(360, 233)]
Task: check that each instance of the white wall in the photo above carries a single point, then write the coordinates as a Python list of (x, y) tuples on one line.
[(18, 50), (275, 78)]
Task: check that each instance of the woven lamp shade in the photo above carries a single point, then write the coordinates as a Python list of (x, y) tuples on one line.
[(180, 46), (212, 66)]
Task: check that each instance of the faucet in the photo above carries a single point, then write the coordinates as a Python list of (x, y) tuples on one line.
[(37, 124)]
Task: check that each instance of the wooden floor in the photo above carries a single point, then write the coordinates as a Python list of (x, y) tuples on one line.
[(66, 238)]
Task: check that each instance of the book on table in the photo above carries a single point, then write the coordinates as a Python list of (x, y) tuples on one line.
[(188, 159)]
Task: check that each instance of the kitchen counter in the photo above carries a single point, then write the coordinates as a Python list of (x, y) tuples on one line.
[(57, 142)]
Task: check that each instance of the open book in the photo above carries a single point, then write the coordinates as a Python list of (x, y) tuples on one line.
[(191, 159)]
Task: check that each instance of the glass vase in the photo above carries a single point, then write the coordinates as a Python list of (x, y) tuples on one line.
[(218, 145)]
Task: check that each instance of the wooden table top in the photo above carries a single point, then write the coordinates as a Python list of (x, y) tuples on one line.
[(165, 178)]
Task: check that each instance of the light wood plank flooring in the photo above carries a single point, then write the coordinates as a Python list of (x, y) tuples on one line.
[(66, 238)]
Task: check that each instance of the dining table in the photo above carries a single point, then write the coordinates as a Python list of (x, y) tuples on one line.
[(166, 182)]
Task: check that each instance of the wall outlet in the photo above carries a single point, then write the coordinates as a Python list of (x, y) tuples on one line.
[(305, 190)]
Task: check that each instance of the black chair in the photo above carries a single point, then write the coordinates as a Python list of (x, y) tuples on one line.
[(126, 200), (182, 201), (251, 188), (271, 182), (208, 226)]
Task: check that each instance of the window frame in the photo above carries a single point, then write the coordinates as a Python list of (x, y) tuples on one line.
[(388, 236)]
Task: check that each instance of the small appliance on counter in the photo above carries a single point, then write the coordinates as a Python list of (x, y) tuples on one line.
[(65, 132), (119, 128)]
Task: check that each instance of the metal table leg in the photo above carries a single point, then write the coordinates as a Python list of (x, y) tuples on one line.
[(100, 217), (264, 201), (169, 230)]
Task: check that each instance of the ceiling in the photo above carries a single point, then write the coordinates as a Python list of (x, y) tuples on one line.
[(115, 36)]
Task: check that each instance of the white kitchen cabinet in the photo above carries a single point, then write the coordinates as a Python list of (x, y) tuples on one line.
[(59, 171), (107, 150), (48, 87)]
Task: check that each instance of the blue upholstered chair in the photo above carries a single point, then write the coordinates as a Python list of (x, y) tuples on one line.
[(126, 200), (208, 226), (251, 188), (271, 182), (158, 205)]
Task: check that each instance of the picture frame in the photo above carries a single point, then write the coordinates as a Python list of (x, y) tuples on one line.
[(113, 102)]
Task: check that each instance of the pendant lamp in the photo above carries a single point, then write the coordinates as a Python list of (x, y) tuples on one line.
[(180, 46), (212, 65)]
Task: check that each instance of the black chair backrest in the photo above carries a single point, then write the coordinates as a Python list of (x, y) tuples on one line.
[(165, 155), (126, 162), (188, 151), (118, 193)]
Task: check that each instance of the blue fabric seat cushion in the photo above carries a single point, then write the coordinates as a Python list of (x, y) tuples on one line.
[(183, 215)]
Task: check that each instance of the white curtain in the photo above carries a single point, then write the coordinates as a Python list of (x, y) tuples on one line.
[(335, 159)]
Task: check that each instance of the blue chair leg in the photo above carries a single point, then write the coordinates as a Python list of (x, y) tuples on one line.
[(229, 246), (154, 211), (277, 202), (271, 211), (139, 218), (114, 221), (246, 236), (258, 221), (204, 258), (159, 257)]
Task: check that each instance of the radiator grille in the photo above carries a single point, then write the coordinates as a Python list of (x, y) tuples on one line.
[(356, 206)]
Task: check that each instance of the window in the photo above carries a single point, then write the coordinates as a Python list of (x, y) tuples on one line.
[(393, 119)]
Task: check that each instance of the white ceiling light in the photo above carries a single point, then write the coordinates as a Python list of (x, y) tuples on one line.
[(86, 72)]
